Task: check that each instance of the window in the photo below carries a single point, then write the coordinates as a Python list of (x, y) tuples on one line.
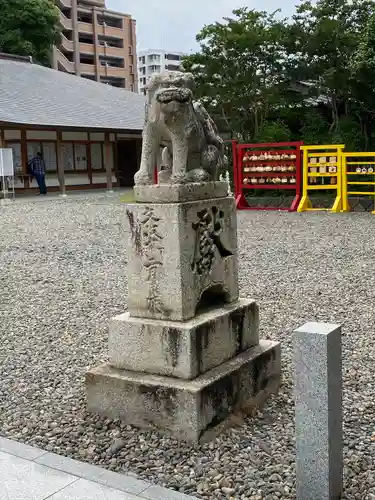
[(154, 69), (49, 155), (80, 156), (67, 155), (112, 62), (17, 156), (113, 22), (96, 156), (66, 12), (171, 67), (86, 59), (86, 39), (84, 17), (106, 41), (115, 82), (48, 150), (173, 57), (74, 156), (68, 35)]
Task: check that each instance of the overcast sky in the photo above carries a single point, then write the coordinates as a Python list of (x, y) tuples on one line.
[(173, 24)]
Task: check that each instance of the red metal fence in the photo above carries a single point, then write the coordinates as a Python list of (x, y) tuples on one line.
[(275, 167)]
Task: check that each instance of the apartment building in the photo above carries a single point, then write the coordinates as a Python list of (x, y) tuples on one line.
[(97, 43), (155, 61)]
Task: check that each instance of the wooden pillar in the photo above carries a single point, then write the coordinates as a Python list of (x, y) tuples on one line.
[(108, 163), (60, 165), (24, 160), (89, 161), (115, 161)]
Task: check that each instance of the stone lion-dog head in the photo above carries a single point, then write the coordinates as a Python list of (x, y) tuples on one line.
[(170, 92)]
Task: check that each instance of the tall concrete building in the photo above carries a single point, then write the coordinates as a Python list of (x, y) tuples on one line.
[(97, 43), (155, 61)]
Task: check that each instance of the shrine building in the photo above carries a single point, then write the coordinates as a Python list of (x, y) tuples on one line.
[(89, 133)]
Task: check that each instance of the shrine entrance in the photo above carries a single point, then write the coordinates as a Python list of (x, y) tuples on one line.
[(128, 160)]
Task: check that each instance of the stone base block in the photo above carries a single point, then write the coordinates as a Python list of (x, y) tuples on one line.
[(177, 193), (181, 408), (182, 257), (183, 349)]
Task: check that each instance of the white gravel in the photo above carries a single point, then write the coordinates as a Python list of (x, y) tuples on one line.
[(62, 276)]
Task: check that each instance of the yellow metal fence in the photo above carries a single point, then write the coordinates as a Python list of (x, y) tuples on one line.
[(319, 164), (358, 177)]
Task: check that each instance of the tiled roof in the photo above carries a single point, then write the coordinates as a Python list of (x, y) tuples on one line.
[(33, 95)]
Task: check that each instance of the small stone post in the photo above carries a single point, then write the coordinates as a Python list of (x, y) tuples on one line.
[(318, 411)]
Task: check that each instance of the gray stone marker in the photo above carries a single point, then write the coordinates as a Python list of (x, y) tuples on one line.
[(318, 411), (186, 354)]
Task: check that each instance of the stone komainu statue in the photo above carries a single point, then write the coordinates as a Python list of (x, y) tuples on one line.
[(193, 150)]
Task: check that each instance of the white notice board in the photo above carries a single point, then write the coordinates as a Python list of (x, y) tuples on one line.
[(49, 156), (80, 151), (6, 162)]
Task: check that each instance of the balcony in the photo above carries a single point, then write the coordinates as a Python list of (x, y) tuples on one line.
[(85, 28), (104, 29), (86, 48), (116, 72), (65, 22), (113, 71), (88, 69), (66, 44), (67, 4), (90, 3), (61, 62), (153, 69), (111, 51), (114, 82)]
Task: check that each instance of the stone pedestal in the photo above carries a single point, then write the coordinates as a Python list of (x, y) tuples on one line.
[(187, 353), (183, 349), (174, 263)]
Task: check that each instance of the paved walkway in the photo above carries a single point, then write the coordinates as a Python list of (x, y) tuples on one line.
[(28, 473)]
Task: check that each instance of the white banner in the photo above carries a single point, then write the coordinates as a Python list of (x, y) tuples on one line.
[(6, 162), (6, 174)]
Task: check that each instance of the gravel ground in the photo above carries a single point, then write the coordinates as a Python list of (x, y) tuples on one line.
[(62, 276)]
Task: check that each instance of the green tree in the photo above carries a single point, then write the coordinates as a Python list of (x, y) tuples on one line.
[(309, 77), (362, 67), (29, 28), (349, 133), (239, 70), (320, 42), (314, 128), (274, 131)]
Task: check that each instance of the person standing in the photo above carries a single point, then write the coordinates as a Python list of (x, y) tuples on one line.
[(37, 167)]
